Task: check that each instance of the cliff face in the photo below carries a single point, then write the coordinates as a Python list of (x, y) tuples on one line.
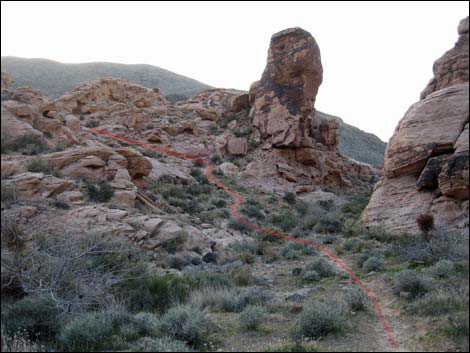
[(426, 166)]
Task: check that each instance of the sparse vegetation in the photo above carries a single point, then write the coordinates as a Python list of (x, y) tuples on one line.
[(373, 263), (252, 317), (100, 192), (411, 282), (321, 318), (426, 225)]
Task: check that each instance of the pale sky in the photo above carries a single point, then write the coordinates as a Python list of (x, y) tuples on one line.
[(377, 57)]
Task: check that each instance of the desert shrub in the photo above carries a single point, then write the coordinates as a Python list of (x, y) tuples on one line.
[(164, 344), (293, 251), (92, 123), (101, 192), (38, 165), (219, 202), (208, 279), (355, 206), (154, 293), (252, 317), (197, 174), (412, 282), (12, 233), (322, 267), (8, 193), (238, 225), (328, 224), (245, 245), (175, 243), (442, 269), (289, 197), (247, 257), (178, 261), (252, 211), (296, 347), (38, 317), (230, 299), (151, 153), (186, 323), (426, 224), (60, 204), (319, 319), (356, 299), (92, 332), (19, 342), (26, 144), (243, 276), (285, 220), (440, 301), (458, 327), (373, 264), (442, 246), (310, 276)]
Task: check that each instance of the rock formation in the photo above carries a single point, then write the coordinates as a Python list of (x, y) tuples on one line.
[(298, 145), (426, 167)]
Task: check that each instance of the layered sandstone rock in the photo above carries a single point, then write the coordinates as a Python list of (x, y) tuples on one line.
[(115, 101), (213, 104), (298, 145), (426, 167), (6, 81)]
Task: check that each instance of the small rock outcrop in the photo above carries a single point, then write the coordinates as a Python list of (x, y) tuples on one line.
[(426, 166)]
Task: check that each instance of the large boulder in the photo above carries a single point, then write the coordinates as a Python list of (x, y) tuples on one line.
[(426, 167)]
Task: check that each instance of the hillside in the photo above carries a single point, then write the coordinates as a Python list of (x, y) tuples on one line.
[(54, 78), (357, 144)]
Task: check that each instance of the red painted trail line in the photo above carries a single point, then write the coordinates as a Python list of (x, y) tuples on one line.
[(234, 211)]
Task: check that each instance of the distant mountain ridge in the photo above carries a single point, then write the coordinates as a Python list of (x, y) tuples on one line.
[(55, 78)]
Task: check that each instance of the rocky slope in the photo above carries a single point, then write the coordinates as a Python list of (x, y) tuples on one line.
[(426, 167), (55, 78)]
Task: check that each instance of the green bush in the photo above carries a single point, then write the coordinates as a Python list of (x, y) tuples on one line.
[(8, 193), (328, 224), (356, 299), (442, 269), (252, 211), (99, 193), (38, 317), (243, 276), (310, 276), (292, 251), (440, 301), (26, 144), (285, 220), (238, 225), (165, 344), (319, 319), (373, 263), (186, 323), (296, 347), (175, 243), (252, 317), (210, 279), (289, 197), (412, 282), (154, 293), (92, 332), (19, 342), (322, 267), (38, 165)]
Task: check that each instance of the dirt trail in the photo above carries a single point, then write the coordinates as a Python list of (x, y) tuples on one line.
[(234, 210)]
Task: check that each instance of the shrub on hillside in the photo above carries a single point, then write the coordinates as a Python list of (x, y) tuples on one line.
[(373, 263), (322, 267), (38, 317), (320, 319), (186, 323), (252, 317), (101, 192), (412, 282), (26, 144)]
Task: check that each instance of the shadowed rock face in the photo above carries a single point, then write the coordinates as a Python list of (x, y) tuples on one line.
[(426, 166)]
